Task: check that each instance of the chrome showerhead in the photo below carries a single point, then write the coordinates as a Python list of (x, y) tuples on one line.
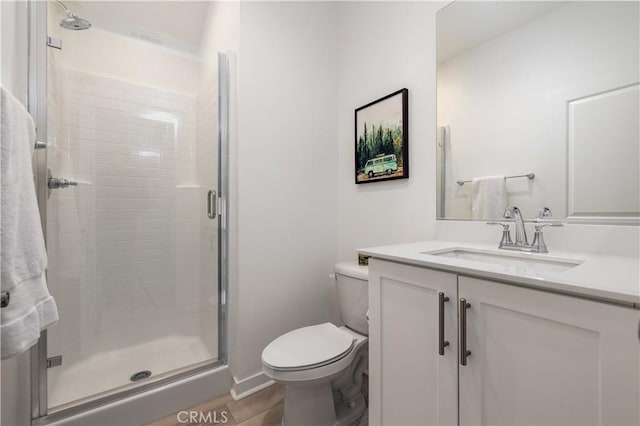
[(73, 21)]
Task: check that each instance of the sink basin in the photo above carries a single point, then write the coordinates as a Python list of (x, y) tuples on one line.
[(513, 262)]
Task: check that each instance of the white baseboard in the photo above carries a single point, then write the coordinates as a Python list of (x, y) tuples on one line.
[(250, 385)]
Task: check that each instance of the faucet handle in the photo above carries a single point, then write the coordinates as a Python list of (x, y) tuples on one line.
[(506, 234), (505, 226), (539, 226), (538, 243), (543, 213)]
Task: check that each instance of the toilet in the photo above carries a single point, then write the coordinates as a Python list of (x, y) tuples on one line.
[(322, 365)]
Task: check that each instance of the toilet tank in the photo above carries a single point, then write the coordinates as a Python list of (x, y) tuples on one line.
[(352, 284)]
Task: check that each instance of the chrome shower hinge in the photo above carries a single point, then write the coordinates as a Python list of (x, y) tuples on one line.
[(56, 43), (4, 299), (54, 361)]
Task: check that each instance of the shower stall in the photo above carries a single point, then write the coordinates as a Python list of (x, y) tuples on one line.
[(131, 106)]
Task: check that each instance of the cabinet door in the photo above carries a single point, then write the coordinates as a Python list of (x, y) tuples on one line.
[(539, 358), (410, 382)]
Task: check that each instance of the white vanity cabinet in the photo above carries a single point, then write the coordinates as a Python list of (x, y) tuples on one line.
[(547, 359), (410, 383), (536, 357)]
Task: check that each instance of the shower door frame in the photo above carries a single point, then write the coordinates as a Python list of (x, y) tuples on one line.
[(37, 106)]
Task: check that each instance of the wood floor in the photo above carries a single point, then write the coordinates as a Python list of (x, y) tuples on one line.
[(263, 408)]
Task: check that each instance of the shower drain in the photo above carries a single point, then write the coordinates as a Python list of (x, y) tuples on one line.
[(140, 375)]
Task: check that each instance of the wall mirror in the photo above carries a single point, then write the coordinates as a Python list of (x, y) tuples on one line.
[(546, 95)]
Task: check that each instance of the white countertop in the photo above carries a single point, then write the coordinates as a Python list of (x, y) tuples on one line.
[(609, 278)]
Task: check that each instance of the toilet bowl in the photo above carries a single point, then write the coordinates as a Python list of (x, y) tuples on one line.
[(322, 365)]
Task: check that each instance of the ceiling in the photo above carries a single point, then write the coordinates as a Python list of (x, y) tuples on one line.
[(176, 24), (464, 25)]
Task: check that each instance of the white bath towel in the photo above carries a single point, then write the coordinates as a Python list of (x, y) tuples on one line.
[(488, 197), (23, 258)]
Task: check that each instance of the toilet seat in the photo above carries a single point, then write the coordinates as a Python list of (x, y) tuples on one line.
[(326, 367), (307, 348)]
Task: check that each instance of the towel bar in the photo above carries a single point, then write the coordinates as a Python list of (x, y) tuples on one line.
[(528, 176)]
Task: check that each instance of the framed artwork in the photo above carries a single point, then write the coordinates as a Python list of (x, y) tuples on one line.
[(382, 139)]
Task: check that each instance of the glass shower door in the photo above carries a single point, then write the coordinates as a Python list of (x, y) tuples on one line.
[(132, 230)]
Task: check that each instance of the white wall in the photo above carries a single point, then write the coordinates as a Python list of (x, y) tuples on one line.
[(505, 101), (383, 47), (287, 176), (303, 69), (13, 45), (220, 33)]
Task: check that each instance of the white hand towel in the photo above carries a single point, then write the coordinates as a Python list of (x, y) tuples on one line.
[(23, 258), (488, 197)]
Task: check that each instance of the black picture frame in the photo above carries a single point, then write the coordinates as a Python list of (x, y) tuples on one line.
[(382, 139)]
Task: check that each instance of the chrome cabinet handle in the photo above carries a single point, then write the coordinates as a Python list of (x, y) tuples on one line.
[(464, 353), (211, 204), (442, 299)]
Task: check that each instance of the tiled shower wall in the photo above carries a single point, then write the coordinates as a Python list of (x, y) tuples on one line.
[(125, 244)]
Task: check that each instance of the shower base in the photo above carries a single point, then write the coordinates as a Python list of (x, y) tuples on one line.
[(112, 370)]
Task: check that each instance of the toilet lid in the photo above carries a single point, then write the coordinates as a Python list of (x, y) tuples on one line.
[(308, 347)]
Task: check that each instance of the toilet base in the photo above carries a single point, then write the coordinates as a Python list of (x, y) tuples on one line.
[(353, 414), (315, 406), (309, 405)]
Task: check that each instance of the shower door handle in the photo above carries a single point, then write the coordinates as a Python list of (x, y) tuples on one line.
[(211, 204)]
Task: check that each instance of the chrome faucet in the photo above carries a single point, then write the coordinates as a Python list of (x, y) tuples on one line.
[(522, 243)]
